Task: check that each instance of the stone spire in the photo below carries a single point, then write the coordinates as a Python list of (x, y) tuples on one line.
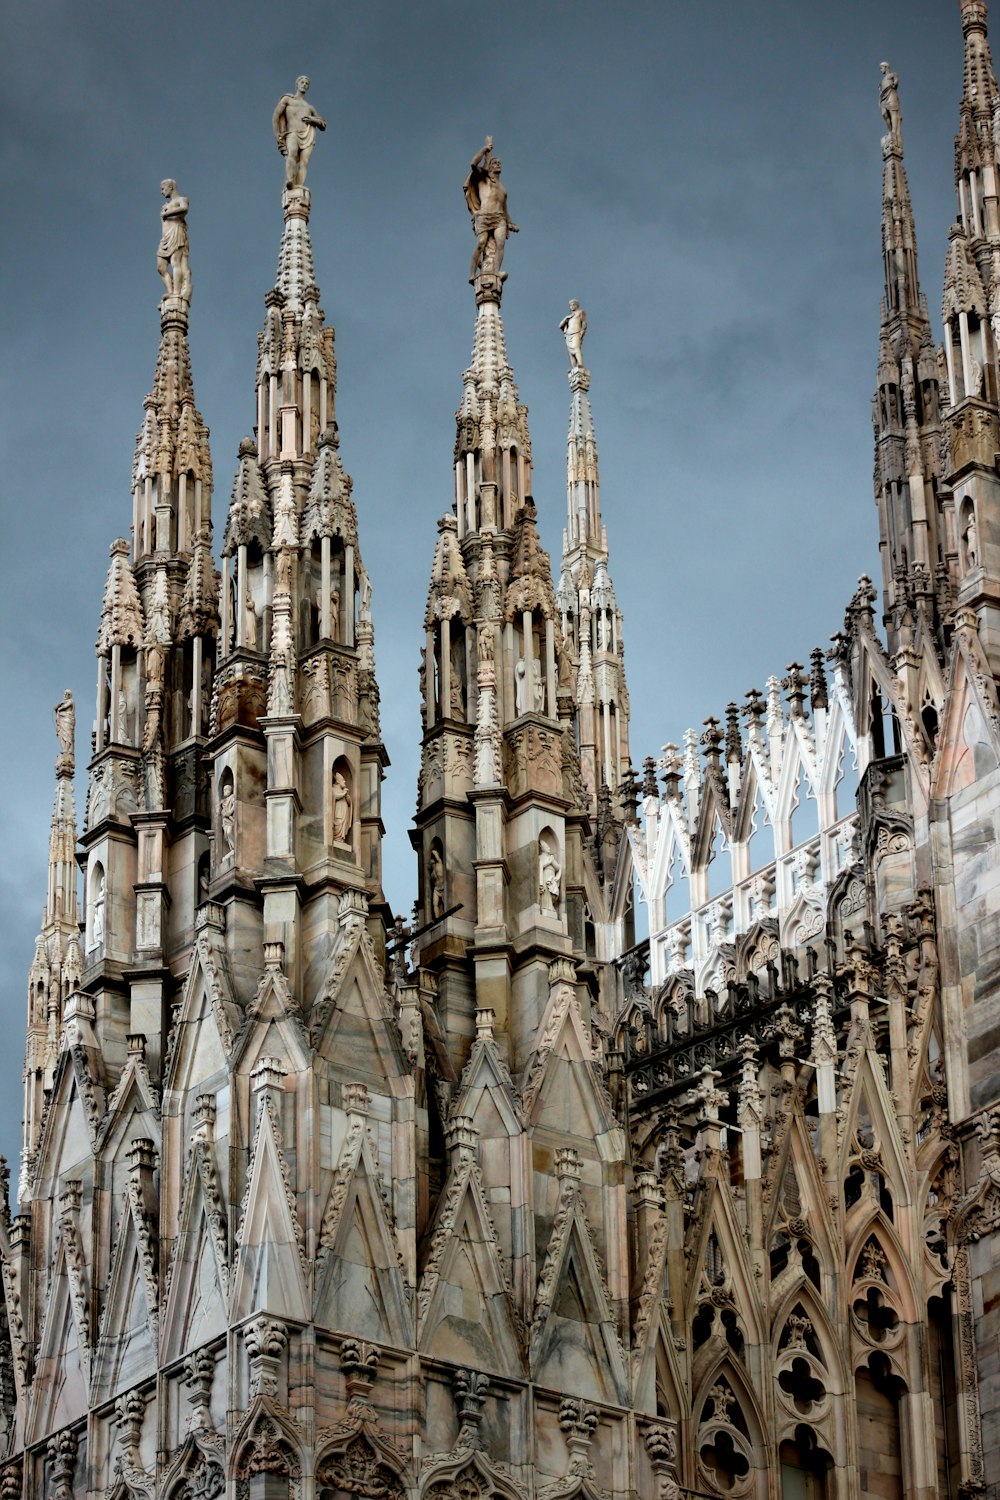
[(502, 817), (56, 966), (591, 618), (296, 672), (970, 313), (905, 409)]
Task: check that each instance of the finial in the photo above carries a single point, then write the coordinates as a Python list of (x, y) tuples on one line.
[(65, 717), (574, 327), (486, 197), (295, 124), (172, 252)]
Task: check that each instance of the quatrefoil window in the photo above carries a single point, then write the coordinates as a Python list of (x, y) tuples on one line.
[(800, 1384), (875, 1315), (724, 1462)]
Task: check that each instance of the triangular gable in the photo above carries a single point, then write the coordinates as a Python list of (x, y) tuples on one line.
[(869, 1083), (59, 1391), (486, 1074), (197, 1283), (127, 1344), (968, 743), (69, 1132), (270, 1266), (359, 1285), (574, 1342), (563, 1090), (272, 1028), (465, 1307), (354, 1017), (202, 1035), (659, 1386), (795, 1151), (719, 1217), (133, 1109)]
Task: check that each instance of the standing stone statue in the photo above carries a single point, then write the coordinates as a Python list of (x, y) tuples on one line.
[(227, 818), (574, 326), (436, 876), (65, 717), (487, 200), (172, 252), (295, 125), (888, 98), (342, 809)]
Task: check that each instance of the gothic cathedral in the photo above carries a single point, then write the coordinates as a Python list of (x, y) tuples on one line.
[(500, 1202)]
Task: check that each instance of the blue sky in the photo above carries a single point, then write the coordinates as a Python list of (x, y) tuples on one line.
[(705, 178)]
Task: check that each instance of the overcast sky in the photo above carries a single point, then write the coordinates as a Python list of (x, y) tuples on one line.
[(705, 176)]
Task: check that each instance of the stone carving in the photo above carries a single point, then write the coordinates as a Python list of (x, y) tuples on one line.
[(888, 98), (574, 327), (549, 873), (172, 252), (343, 809), (435, 875), (295, 124), (227, 819), (65, 718), (97, 927), (61, 1453), (487, 200)]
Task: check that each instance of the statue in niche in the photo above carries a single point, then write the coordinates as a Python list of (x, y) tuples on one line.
[(975, 376), (457, 698), (487, 200), (123, 734), (97, 926), (65, 717), (227, 818), (549, 875), (521, 686), (295, 124), (342, 809), (574, 326), (970, 540), (172, 252), (888, 98), (365, 606), (537, 686), (250, 623), (435, 875)]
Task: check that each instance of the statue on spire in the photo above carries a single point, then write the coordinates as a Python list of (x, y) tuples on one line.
[(65, 717), (888, 98), (574, 326), (487, 199), (172, 252), (295, 124)]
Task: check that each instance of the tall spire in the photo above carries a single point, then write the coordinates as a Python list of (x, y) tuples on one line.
[(905, 410), (591, 619), (970, 313), (56, 966), (296, 672)]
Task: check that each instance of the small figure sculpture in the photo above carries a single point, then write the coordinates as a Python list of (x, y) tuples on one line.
[(172, 252), (574, 326), (123, 737), (521, 686), (970, 537), (250, 627), (65, 717), (487, 200), (888, 99), (227, 817), (295, 124), (537, 686), (457, 698), (342, 809), (549, 876), (435, 873), (97, 926)]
